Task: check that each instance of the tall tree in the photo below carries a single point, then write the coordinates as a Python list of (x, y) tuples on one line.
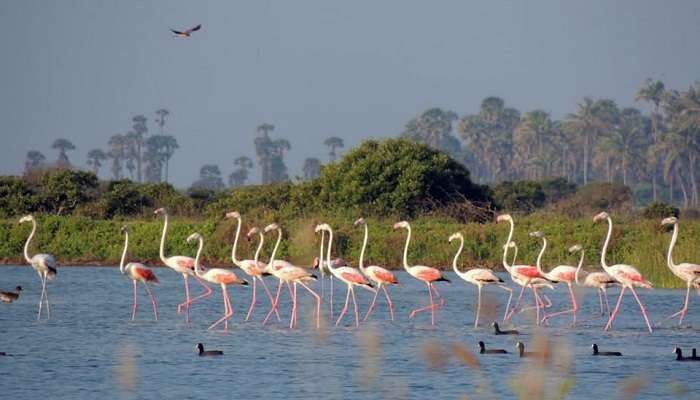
[(240, 175), (63, 145), (95, 158), (159, 150), (533, 139), (209, 178), (160, 119), (264, 151), (312, 168), (117, 152), (137, 136), (35, 159), (433, 128), (333, 143)]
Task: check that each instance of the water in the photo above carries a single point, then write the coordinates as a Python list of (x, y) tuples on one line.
[(90, 349)]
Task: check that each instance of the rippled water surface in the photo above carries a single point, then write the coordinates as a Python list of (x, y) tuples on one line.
[(89, 349)]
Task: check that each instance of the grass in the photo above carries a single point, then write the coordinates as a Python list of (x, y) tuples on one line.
[(638, 242)]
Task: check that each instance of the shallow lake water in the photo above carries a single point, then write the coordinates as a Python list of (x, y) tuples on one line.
[(90, 349)]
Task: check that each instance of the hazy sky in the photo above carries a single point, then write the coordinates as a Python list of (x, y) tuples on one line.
[(354, 69)]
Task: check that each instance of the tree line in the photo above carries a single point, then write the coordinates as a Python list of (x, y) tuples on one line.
[(656, 154)]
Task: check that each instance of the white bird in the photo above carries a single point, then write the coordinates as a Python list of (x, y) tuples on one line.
[(43, 264)]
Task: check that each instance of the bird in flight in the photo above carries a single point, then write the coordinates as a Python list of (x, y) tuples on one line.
[(186, 33)]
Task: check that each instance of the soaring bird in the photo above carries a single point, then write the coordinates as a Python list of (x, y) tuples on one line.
[(186, 33)]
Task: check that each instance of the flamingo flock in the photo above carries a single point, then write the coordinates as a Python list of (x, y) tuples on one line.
[(376, 279)]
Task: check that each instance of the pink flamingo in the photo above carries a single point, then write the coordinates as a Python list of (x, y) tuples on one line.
[(322, 266), (690, 273), (599, 280), (524, 275), (294, 275), (138, 273), (476, 276), (537, 283), (43, 264), (183, 265), (254, 269), (561, 273), (626, 275), (220, 276), (428, 275), (380, 276), (348, 275)]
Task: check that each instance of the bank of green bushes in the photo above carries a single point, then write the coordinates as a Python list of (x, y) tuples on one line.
[(81, 240)]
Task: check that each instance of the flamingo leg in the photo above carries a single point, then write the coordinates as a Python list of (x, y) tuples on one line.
[(274, 303), (428, 307), (186, 304), (253, 300), (269, 295), (153, 301), (642, 309), (318, 304), (293, 294), (600, 300), (228, 310), (517, 302), (207, 290), (538, 303), (388, 300), (682, 310), (133, 307), (331, 297), (442, 299), (371, 306), (44, 297), (572, 310), (607, 303), (478, 306), (510, 297), (617, 308), (354, 302), (345, 307)]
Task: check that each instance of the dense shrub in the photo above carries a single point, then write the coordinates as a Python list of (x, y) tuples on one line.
[(62, 190), (16, 197), (658, 210), (595, 197), (556, 189), (523, 196), (395, 177)]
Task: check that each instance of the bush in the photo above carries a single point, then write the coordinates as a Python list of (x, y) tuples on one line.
[(595, 197), (523, 196), (62, 190), (556, 189), (16, 197), (659, 210), (394, 177)]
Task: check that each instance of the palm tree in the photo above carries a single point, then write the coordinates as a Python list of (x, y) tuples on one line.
[(530, 137), (160, 120), (652, 92), (35, 159), (264, 150), (240, 175), (137, 137), (159, 151), (95, 158), (117, 152), (209, 178), (63, 145), (333, 142), (280, 146), (312, 168)]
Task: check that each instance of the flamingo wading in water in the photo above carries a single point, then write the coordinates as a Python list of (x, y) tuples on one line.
[(348, 275), (183, 265), (220, 276), (291, 274), (690, 273), (428, 275), (561, 273), (380, 276), (626, 275), (43, 264), (252, 268), (475, 276), (601, 281), (138, 273)]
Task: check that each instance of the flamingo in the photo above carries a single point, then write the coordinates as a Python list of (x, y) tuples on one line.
[(561, 273), (380, 276), (428, 275), (138, 273), (183, 265), (475, 276), (523, 275), (252, 268), (348, 275), (43, 264), (294, 275), (599, 280), (220, 276), (322, 266), (537, 283), (626, 275), (690, 273)]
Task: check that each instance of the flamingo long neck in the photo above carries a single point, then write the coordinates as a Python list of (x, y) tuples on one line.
[(162, 240), (235, 244), (362, 252), (196, 258), (510, 232), (505, 261), (328, 252), (274, 250), (321, 267), (578, 268), (671, 246), (260, 246), (459, 251), (122, 263), (539, 256), (29, 239), (605, 245), (405, 248)]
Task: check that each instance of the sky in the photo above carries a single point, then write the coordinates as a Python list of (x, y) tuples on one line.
[(316, 68)]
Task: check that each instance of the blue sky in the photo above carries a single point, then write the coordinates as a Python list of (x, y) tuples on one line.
[(354, 69)]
